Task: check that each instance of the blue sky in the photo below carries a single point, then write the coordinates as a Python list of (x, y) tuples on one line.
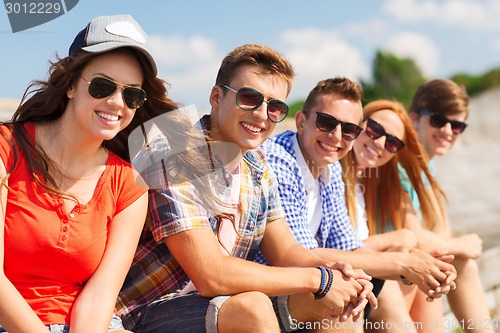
[(321, 38)]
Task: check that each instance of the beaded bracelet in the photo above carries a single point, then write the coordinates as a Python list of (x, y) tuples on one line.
[(324, 289), (323, 280)]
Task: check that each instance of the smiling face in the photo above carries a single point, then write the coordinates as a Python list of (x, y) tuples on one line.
[(247, 129), (323, 148), (436, 141), (103, 118), (371, 153)]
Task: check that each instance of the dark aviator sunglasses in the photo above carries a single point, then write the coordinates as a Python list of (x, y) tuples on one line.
[(327, 123), (374, 131), (438, 120), (250, 99), (100, 87)]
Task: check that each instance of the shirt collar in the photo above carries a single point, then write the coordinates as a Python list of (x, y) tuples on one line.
[(253, 158), (304, 168)]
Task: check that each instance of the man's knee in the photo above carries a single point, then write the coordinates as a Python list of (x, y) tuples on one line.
[(247, 312)]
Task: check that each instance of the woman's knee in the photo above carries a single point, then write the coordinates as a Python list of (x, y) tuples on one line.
[(465, 266)]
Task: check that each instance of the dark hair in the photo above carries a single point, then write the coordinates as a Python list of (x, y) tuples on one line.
[(260, 56), (441, 96), (341, 86), (45, 101)]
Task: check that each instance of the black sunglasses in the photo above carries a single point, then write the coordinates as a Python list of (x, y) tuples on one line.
[(438, 120), (374, 131), (101, 87), (327, 123), (249, 99)]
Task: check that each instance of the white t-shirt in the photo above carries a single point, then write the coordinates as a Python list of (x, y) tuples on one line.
[(361, 219), (314, 202)]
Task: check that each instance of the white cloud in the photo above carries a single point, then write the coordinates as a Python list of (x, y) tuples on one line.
[(417, 47), (479, 14), (189, 65), (317, 55), (369, 29), (176, 52)]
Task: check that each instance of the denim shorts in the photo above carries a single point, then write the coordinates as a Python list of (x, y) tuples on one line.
[(116, 324), (193, 313)]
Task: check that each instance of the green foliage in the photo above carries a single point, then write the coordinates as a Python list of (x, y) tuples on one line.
[(475, 84), (398, 79), (294, 108), (393, 78)]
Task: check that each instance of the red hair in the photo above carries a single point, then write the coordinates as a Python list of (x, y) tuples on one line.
[(383, 189)]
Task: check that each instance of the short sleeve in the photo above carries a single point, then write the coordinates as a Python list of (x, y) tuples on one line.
[(175, 209)]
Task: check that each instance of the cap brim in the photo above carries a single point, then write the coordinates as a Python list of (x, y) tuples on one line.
[(108, 46)]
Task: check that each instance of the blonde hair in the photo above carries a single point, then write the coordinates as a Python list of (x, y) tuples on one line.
[(383, 189)]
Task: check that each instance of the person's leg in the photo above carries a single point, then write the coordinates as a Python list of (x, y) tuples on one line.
[(428, 316), (180, 314), (116, 325), (247, 312), (192, 313), (468, 301), (392, 314), (409, 294)]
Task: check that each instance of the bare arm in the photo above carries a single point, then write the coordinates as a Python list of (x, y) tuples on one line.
[(468, 246), (421, 268), (377, 264), (94, 306), (15, 313), (402, 240), (213, 273), (278, 234)]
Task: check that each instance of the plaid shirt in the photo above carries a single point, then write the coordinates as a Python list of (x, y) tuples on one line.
[(335, 230), (155, 274)]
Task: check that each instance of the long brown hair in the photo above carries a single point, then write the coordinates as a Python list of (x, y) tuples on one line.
[(383, 189), (45, 101)]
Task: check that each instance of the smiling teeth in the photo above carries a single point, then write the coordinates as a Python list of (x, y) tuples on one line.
[(108, 116), (252, 128), (442, 141), (328, 147), (372, 151)]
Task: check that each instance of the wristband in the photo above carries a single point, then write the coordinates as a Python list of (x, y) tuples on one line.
[(326, 274), (405, 281), (323, 280)]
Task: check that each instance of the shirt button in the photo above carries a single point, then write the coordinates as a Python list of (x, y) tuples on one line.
[(65, 229), (65, 221), (63, 238), (71, 215)]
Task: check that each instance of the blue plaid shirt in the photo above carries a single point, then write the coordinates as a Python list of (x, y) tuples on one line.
[(335, 230)]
